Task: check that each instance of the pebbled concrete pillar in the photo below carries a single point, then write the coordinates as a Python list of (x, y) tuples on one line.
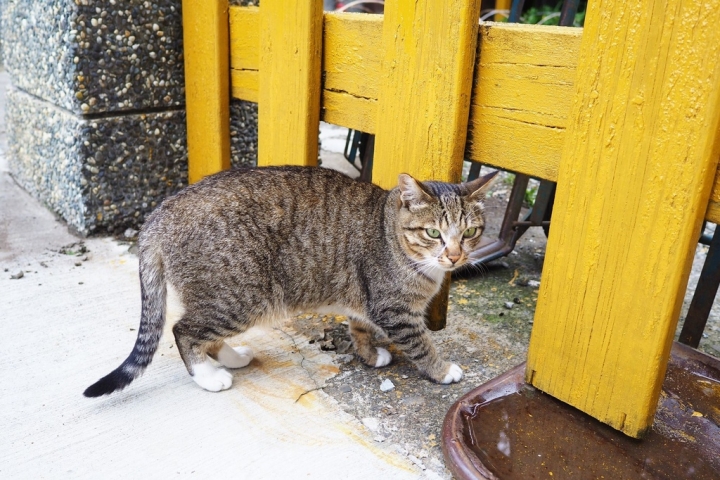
[(96, 120)]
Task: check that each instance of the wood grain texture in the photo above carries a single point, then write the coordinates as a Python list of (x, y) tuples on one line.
[(245, 84), (245, 53), (351, 69), (523, 86), (635, 174), (244, 38), (351, 63), (207, 89), (425, 83), (524, 83), (713, 210), (341, 108), (289, 90)]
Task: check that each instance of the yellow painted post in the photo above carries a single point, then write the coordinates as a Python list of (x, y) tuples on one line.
[(290, 82), (502, 5), (524, 85), (635, 175), (424, 95), (207, 86)]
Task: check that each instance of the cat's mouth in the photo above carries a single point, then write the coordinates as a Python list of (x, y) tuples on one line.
[(441, 264), (449, 266)]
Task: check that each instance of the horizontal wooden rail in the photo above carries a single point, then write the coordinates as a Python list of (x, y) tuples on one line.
[(523, 86)]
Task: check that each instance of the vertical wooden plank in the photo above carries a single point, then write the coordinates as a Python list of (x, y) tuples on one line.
[(289, 96), (424, 97), (634, 180), (207, 86), (502, 5)]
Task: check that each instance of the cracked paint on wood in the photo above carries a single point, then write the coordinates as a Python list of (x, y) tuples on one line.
[(428, 54), (524, 84), (207, 96), (289, 86), (521, 98), (635, 175)]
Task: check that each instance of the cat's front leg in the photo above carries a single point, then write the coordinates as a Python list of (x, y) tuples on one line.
[(408, 332)]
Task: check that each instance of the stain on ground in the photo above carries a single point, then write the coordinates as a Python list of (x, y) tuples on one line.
[(488, 331)]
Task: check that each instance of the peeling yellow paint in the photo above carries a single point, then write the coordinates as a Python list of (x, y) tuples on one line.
[(207, 89), (632, 189), (424, 92), (289, 89), (524, 83)]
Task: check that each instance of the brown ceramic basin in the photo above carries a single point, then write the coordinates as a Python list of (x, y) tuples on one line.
[(507, 429)]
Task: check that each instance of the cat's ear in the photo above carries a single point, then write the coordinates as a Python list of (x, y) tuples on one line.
[(477, 189), (412, 194)]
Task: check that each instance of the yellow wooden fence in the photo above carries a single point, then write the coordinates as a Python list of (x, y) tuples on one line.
[(624, 116)]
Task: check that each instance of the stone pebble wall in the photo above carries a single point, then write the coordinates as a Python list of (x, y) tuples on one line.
[(97, 56), (96, 120)]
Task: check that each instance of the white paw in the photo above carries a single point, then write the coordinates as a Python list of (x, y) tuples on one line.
[(237, 357), (211, 378), (454, 374), (384, 357)]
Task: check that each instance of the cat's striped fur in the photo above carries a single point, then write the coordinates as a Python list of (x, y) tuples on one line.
[(249, 246)]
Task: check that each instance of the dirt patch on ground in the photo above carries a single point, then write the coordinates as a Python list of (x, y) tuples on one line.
[(489, 323)]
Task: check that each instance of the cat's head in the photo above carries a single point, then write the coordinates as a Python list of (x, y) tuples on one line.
[(440, 224)]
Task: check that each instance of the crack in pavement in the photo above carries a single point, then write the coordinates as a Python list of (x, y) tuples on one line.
[(302, 365)]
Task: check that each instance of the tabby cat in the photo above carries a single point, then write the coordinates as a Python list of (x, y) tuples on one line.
[(249, 246)]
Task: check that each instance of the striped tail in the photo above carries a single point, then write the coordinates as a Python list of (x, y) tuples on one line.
[(152, 320)]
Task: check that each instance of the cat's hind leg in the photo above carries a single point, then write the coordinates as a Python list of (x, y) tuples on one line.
[(232, 357), (361, 334), (195, 340), (211, 378)]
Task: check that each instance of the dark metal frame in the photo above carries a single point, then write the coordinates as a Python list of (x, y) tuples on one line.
[(704, 296), (512, 228), (363, 144)]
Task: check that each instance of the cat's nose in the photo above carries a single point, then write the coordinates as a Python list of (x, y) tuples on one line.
[(454, 258)]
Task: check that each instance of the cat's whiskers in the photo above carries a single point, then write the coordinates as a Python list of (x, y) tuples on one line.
[(431, 265), (418, 267), (424, 267), (478, 266)]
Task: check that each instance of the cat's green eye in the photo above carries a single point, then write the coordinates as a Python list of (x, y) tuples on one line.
[(470, 232), (432, 233)]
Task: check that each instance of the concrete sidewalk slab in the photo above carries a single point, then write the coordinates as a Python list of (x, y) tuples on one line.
[(61, 335), (68, 325), (72, 318)]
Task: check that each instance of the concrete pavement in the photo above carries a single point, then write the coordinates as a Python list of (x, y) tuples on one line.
[(72, 318)]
